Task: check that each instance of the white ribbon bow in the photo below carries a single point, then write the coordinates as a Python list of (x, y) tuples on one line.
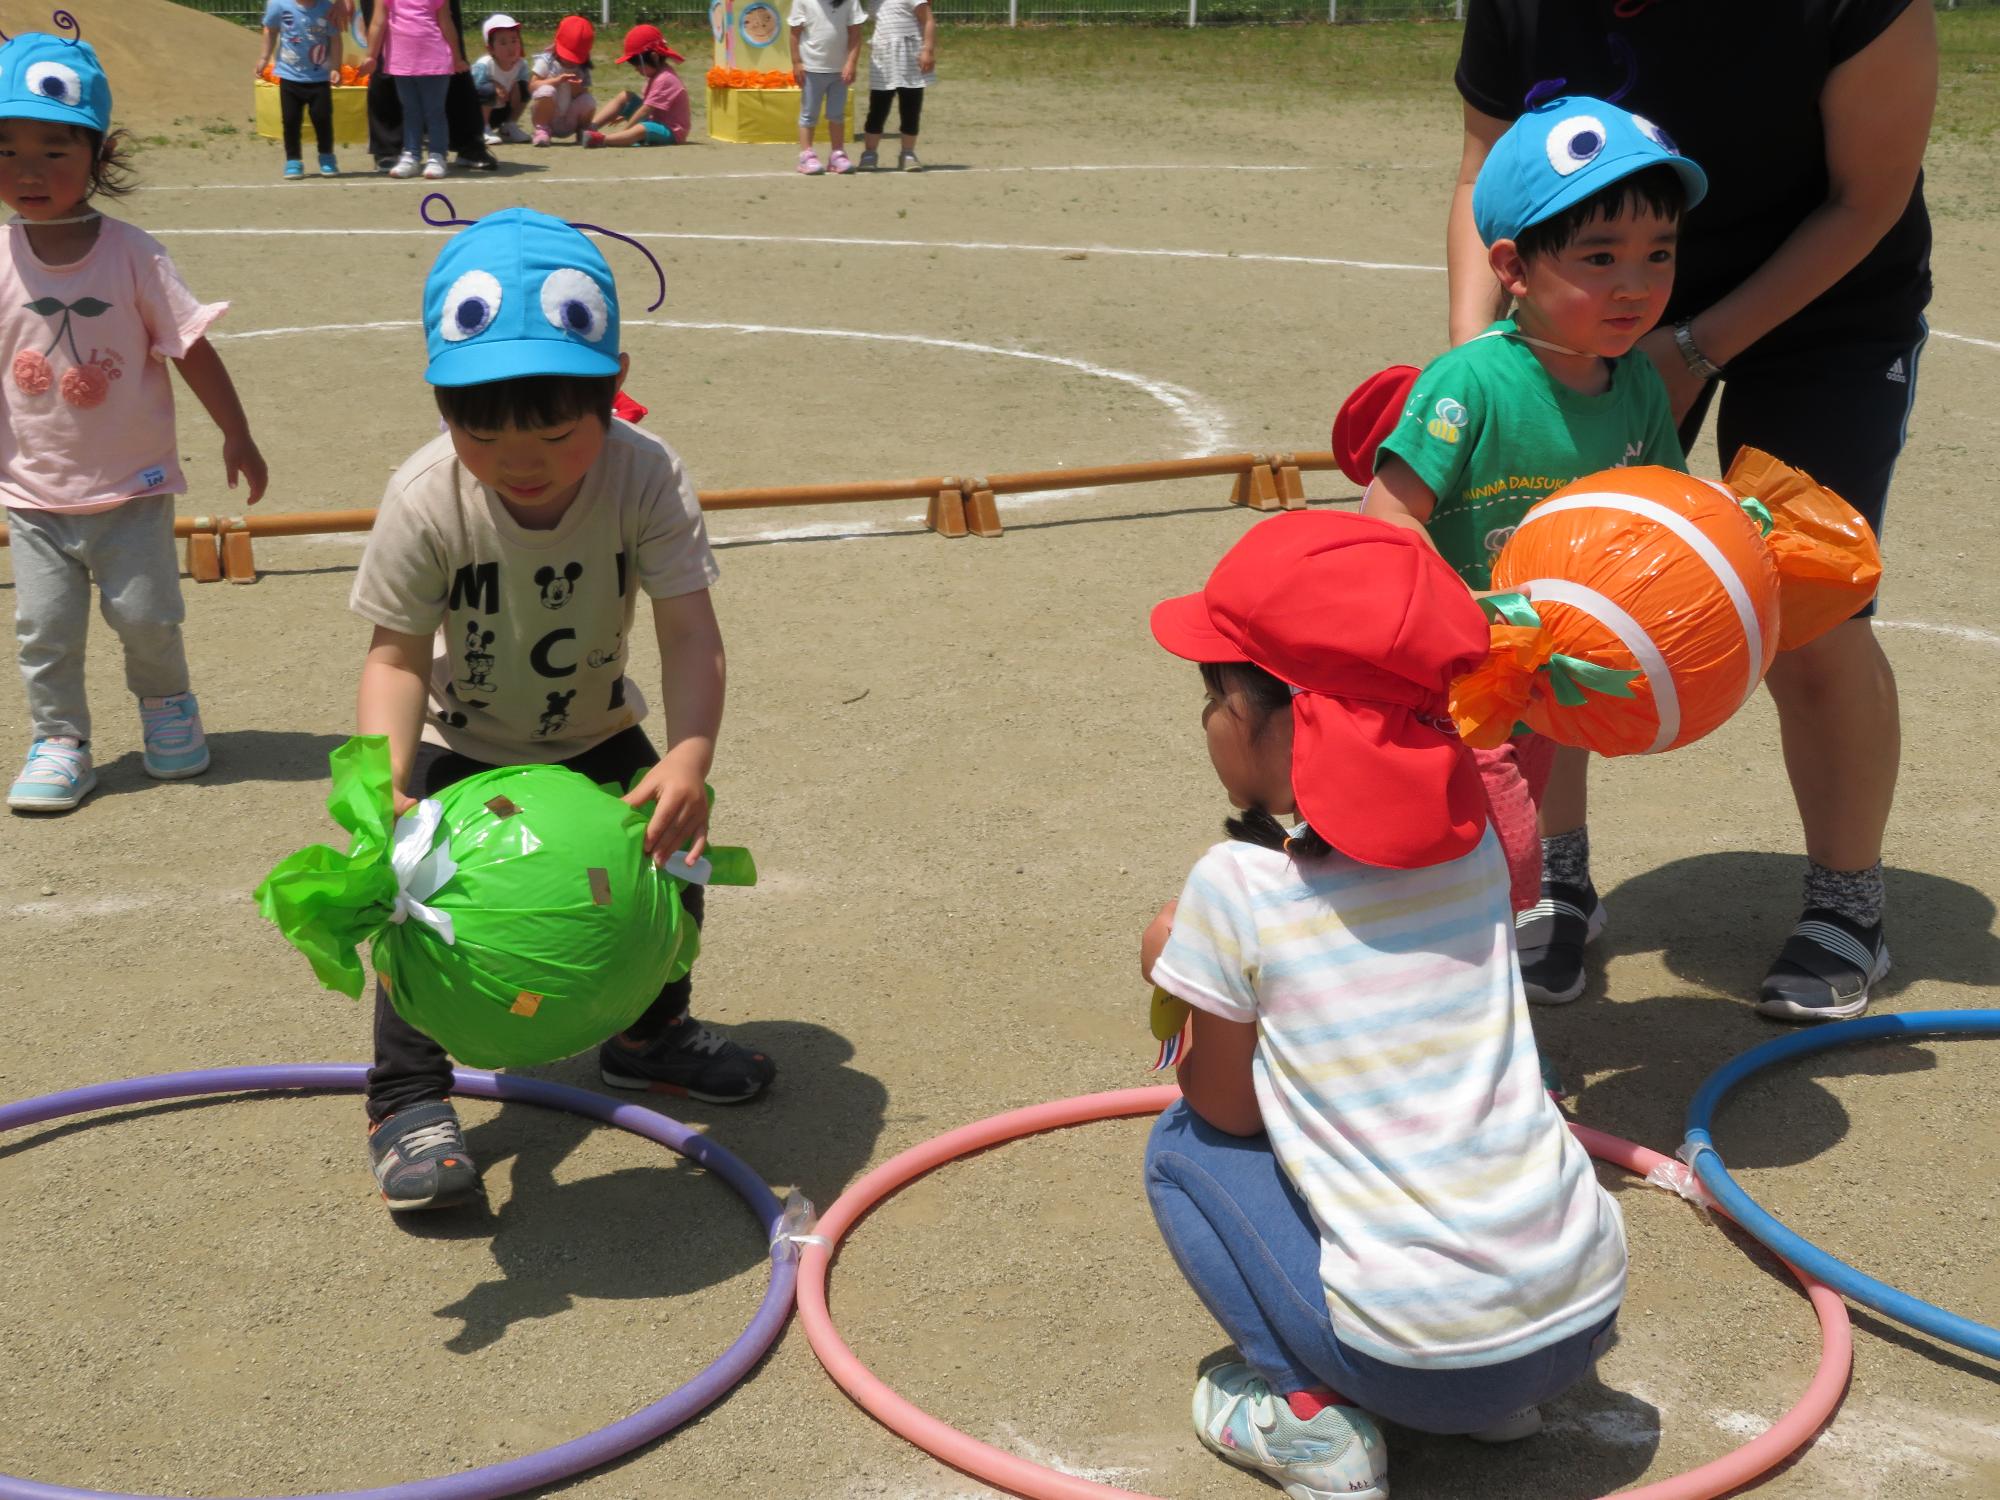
[(421, 869)]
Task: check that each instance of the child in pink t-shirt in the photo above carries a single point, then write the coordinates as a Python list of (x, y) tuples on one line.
[(411, 42), (658, 115), (91, 310)]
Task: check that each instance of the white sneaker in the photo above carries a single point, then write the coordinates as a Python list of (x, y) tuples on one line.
[(406, 166), (434, 168), (1524, 1423), (492, 137), (514, 135), (1338, 1455), (56, 777)]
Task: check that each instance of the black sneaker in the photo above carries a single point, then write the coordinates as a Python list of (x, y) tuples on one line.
[(688, 1060), (1824, 970), (420, 1158), (1551, 935), (480, 161)]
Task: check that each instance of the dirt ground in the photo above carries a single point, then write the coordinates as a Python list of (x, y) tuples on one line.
[(969, 779)]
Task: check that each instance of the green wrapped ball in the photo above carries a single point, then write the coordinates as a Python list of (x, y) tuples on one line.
[(514, 918)]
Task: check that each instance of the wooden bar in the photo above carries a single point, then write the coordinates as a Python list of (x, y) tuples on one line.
[(824, 494), (1093, 476)]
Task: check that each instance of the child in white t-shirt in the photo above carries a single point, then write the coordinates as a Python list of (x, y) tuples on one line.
[(826, 48), (1364, 1181), (500, 78)]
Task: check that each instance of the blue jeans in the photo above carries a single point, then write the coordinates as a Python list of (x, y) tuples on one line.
[(1248, 1246), (422, 99)]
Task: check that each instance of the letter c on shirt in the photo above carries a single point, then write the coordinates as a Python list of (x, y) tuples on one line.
[(539, 657)]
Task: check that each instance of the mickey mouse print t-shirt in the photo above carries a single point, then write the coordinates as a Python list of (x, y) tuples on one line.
[(534, 627)]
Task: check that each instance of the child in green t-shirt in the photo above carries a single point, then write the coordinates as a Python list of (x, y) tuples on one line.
[(1579, 204)]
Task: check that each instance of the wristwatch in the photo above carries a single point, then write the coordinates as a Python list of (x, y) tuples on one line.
[(1691, 353)]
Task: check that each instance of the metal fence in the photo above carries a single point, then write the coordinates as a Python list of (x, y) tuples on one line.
[(683, 14)]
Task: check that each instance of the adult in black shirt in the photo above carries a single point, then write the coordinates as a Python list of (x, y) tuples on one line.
[(1803, 275)]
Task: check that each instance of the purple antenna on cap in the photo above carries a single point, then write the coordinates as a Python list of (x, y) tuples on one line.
[(64, 21), (659, 271), (1541, 93), (1622, 50)]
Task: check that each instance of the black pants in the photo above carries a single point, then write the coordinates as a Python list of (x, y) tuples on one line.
[(1832, 398), (912, 110), (410, 1068), (314, 99), (465, 121)]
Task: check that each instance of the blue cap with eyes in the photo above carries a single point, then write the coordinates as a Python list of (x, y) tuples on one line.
[(1561, 152), (45, 77), (519, 293)]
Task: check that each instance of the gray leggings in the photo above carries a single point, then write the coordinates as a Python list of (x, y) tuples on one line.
[(830, 87), (129, 552)]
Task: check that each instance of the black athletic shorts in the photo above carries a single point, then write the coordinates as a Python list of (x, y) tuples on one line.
[(1834, 401)]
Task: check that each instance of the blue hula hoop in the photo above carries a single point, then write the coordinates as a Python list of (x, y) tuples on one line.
[(1857, 1286)]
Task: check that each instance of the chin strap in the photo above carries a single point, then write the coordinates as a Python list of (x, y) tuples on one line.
[(50, 223), (1535, 343)]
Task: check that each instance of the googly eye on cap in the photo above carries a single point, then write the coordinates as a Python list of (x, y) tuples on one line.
[(56, 78), (519, 293), (1562, 150)]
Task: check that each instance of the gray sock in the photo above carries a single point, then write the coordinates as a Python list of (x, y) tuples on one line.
[(1855, 894), (1566, 858)]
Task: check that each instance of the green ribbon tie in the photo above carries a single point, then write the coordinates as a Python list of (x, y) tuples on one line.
[(1759, 512), (1571, 678)]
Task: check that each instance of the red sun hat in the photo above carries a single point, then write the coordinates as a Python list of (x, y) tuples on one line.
[(1369, 626), (1368, 415), (642, 39), (574, 39)]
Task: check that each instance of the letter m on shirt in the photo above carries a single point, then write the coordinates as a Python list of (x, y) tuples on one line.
[(477, 587)]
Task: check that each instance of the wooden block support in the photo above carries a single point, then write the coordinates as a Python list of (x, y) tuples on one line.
[(982, 516), (204, 557), (1260, 488), (946, 515), (1291, 486), (238, 563)]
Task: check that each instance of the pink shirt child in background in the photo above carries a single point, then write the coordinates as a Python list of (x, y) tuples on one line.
[(660, 115), (415, 45)]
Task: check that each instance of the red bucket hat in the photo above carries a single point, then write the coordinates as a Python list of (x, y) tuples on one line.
[(642, 39), (1369, 626), (1368, 415), (574, 38)]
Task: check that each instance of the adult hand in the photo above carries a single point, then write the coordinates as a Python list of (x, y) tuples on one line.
[(1683, 385)]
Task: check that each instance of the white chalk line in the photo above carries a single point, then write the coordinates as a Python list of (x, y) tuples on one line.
[(867, 242), (1955, 632), (1206, 429), (502, 179)]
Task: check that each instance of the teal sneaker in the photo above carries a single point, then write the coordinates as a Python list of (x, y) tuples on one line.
[(328, 167), (175, 746), (294, 170), (55, 778), (1338, 1455)]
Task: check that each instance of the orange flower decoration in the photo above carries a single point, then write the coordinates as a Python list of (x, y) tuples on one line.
[(745, 78)]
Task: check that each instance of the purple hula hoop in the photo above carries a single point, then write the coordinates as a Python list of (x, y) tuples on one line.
[(533, 1469)]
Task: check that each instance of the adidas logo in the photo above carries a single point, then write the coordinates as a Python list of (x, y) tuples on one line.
[(1898, 374)]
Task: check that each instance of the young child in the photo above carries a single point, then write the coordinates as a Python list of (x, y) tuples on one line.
[(901, 57), (91, 310), (561, 102), (660, 114), (502, 578), (1364, 1181), (305, 37), (826, 46), (500, 76), (411, 42), (1579, 204)]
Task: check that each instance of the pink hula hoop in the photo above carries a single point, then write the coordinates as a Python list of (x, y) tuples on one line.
[(966, 1453)]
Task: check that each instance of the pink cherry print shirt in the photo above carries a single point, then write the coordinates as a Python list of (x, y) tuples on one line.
[(87, 398)]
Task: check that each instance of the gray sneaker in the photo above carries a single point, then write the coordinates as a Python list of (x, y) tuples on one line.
[(870, 160), (420, 1158), (908, 162)]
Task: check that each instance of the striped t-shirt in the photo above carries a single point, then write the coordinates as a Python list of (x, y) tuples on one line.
[(1460, 1223)]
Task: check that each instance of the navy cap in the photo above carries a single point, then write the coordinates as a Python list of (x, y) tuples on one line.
[(519, 293), (45, 77), (1560, 153)]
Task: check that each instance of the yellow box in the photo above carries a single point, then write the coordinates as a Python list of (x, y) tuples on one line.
[(761, 117), (350, 116)]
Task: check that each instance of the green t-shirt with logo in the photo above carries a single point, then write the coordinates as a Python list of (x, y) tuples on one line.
[(1490, 432)]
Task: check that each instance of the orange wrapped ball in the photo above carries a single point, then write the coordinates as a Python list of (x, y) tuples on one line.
[(1655, 601)]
